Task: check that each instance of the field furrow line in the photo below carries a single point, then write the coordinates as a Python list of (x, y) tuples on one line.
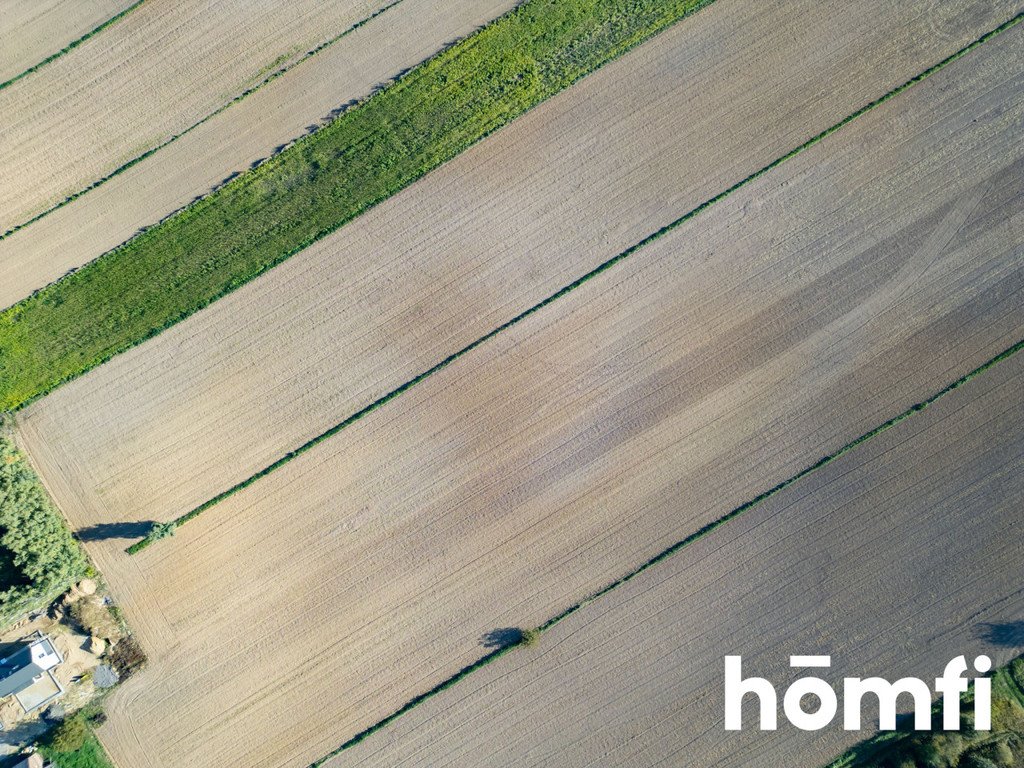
[(164, 529), (72, 45), (274, 75)]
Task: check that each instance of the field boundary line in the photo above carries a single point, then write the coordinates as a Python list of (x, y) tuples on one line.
[(676, 548), (243, 262), (202, 121), (72, 45), (162, 530)]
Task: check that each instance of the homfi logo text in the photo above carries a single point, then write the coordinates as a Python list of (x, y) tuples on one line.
[(951, 684)]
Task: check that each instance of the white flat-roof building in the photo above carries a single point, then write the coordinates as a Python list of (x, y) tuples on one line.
[(25, 673)]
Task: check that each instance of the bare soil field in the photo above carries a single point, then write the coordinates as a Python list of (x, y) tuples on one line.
[(902, 555), (811, 305), (170, 424), (158, 71), (230, 142), (32, 31)]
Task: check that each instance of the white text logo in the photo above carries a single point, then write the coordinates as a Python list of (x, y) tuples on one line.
[(950, 685)]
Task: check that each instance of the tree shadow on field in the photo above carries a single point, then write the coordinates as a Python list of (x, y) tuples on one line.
[(1008, 634), (503, 637), (104, 531)]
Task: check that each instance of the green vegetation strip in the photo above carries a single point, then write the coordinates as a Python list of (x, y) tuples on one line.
[(72, 45), (245, 94), (1000, 747), (38, 557), (531, 637), (310, 189), (165, 529), (73, 743)]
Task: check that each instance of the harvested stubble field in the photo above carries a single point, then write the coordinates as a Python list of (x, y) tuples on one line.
[(231, 141), (312, 188), (172, 423), (582, 441), (161, 68), (34, 33), (901, 555)]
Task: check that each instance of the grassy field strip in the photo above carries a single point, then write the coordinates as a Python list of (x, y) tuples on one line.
[(164, 529), (306, 192), (586, 440), (72, 45), (233, 141), (796, 573), (276, 73)]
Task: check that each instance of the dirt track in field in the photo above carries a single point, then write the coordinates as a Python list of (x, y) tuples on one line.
[(812, 305), (32, 31), (894, 560), (172, 423), (248, 131), (163, 67)]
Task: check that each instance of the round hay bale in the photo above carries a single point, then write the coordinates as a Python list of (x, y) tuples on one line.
[(87, 587)]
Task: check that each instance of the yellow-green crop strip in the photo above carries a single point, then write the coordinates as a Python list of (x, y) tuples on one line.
[(265, 216)]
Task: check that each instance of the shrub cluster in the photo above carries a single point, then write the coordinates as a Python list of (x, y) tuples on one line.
[(1001, 747), (127, 657), (39, 559)]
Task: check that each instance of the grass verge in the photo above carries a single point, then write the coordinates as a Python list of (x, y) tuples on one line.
[(532, 637), (310, 189), (72, 45), (275, 73), (73, 743), (1001, 747), (166, 529)]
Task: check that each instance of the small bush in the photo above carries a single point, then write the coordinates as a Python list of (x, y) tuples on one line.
[(98, 718), (1004, 755), (530, 637), (96, 619), (975, 760), (70, 735), (127, 657)]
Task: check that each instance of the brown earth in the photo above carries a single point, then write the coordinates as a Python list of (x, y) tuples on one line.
[(902, 555), (181, 418), (31, 31), (248, 131), (810, 306), (164, 66)]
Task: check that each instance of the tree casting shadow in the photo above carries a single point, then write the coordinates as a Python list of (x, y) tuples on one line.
[(503, 637), (104, 531), (1008, 634)]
